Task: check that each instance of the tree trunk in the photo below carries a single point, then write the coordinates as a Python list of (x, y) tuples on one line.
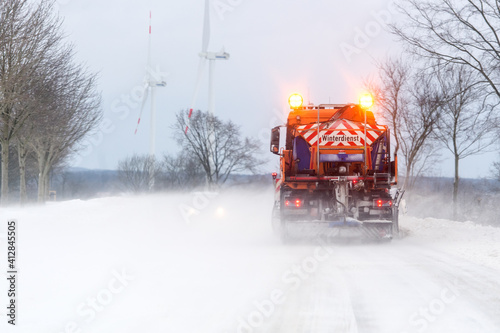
[(407, 177), (41, 176), (21, 150), (455, 188), (41, 184), (5, 172), (46, 187)]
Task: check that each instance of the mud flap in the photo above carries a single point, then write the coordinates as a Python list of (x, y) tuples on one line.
[(378, 231)]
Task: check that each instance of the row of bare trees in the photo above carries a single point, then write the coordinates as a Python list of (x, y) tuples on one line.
[(180, 172), (431, 108), (48, 102), (446, 91)]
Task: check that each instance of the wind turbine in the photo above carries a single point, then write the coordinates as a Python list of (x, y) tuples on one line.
[(205, 56), (150, 89)]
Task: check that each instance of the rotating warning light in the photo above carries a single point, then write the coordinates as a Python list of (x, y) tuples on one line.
[(366, 100), (295, 101)]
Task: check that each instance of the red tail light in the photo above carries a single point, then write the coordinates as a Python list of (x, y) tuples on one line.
[(296, 203), (379, 203)]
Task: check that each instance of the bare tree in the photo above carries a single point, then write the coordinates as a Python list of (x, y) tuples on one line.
[(392, 93), (495, 169), (424, 164), (455, 32), (22, 153), (217, 145), (409, 100), (417, 125), (72, 111), (182, 171), (466, 125), (133, 172), (46, 89), (29, 35)]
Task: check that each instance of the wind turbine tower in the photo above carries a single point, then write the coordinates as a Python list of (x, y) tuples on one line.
[(205, 56), (152, 82)]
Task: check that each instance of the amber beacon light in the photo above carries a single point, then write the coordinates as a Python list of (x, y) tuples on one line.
[(366, 100), (295, 101)]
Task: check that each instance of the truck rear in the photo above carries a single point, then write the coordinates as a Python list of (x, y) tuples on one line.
[(336, 174)]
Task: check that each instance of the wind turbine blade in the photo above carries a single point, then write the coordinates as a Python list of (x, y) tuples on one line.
[(206, 27), (148, 68), (201, 69), (188, 121), (149, 42), (144, 98)]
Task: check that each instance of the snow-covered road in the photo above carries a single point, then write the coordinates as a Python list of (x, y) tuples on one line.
[(199, 263)]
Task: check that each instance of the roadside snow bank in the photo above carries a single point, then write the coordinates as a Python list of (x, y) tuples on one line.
[(476, 243)]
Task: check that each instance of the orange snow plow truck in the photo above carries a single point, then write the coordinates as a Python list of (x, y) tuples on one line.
[(336, 175)]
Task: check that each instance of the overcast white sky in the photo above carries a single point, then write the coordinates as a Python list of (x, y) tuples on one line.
[(276, 48)]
